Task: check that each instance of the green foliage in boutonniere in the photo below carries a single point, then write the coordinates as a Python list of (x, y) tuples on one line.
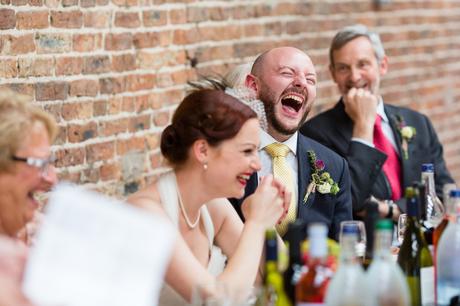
[(407, 133), (320, 180)]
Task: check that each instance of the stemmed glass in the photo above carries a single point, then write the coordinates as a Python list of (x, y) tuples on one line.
[(402, 223), (360, 247)]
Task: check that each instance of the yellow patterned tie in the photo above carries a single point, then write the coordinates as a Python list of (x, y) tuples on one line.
[(283, 173)]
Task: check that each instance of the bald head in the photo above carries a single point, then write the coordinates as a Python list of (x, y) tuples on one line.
[(273, 55)]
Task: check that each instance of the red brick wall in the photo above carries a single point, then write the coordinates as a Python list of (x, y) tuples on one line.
[(112, 72)]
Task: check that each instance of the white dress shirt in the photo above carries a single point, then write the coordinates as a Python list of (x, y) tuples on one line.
[(267, 161)]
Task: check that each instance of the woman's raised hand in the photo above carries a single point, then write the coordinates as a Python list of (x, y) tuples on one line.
[(268, 204)]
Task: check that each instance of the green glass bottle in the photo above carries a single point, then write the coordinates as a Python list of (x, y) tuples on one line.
[(414, 256), (274, 285)]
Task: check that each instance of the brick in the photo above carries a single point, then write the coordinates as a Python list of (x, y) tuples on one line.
[(32, 20), (183, 37), (87, 42), (87, 3), (102, 2), (156, 160), (70, 157), (67, 19), (72, 111), (114, 105), (127, 104), (156, 60), (142, 103), (69, 65), (35, 67), (7, 19), (124, 62), (8, 68), (126, 3), (81, 132), (52, 3), (121, 41), (51, 91), (97, 19), (25, 89), (96, 64), (139, 82), (53, 43), (18, 2), (146, 40), (110, 171), (133, 144), (112, 85), (153, 141), (100, 108), (84, 88), (90, 175), (127, 20), (36, 2), (100, 151), (177, 16), (14, 45), (154, 18), (139, 123), (67, 3), (61, 137), (113, 127), (161, 119), (54, 110), (73, 177)]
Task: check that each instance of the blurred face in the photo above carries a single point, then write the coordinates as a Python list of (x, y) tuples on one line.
[(234, 161), (287, 87), (19, 186), (355, 65)]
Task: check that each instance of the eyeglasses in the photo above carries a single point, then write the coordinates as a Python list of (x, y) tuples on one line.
[(41, 163)]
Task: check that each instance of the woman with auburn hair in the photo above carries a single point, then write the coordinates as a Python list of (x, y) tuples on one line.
[(212, 145)]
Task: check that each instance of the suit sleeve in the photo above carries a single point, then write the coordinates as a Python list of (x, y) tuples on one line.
[(343, 207), (364, 163)]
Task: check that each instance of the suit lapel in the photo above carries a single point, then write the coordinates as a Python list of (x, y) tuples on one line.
[(303, 174), (392, 117)]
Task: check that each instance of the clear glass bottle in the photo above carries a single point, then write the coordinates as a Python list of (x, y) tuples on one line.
[(434, 207), (385, 278), (447, 262), (312, 286), (414, 256), (348, 286)]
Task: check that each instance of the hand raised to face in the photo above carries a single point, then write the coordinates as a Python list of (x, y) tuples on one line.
[(361, 107)]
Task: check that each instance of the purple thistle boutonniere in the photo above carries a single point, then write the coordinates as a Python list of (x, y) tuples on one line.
[(407, 133), (320, 180)]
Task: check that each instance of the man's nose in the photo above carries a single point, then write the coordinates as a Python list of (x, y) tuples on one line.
[(355, 74)]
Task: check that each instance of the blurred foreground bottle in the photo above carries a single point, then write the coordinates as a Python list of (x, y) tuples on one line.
[(447, 261), (312, 286), (414, 257), (385, 278), (273, 292), (348, 286), (295, 236)]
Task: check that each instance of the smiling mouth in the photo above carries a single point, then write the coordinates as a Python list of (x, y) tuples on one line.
[(243, 178), (293, 102)]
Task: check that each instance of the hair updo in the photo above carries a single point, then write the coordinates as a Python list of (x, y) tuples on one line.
[(206, 114)]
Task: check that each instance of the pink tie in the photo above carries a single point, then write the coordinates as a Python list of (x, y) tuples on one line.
[(391, 167)]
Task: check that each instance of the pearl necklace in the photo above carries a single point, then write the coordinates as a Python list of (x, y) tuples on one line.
[(187, 220)]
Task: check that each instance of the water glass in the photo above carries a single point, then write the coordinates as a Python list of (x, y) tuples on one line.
[(360, 247)]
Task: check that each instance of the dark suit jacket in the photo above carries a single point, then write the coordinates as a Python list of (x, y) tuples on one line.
[(334, 128), (326, 208)]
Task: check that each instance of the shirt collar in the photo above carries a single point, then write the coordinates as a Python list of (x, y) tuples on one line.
[(266, 139), (381, 110)]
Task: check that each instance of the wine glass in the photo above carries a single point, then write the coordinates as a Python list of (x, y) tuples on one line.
[(360, 247), (402, 223)]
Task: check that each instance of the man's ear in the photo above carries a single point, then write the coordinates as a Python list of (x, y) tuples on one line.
[(331, 71), (383, 65), (200, 150), (251, 82)]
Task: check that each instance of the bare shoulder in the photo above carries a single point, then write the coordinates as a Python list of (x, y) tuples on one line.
[(220, 209)]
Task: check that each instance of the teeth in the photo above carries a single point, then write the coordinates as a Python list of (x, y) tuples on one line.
[(294, 97), (244, 176)]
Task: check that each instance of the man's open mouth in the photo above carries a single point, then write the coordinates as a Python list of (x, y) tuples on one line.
[(292, 101)]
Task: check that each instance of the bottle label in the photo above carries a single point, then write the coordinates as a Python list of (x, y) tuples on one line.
[(427, 285)]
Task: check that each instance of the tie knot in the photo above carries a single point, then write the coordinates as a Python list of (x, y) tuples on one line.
[(277, 150)]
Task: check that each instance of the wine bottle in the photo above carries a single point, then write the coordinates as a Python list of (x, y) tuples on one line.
[(414, 256), (348, 286), (312, 286), (385, 278), (274, 288), (447, 266), (295, 235)]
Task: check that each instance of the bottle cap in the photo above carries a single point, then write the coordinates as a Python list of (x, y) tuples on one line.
[(317, 230), (455, 193), (427, 168), (384, 224)]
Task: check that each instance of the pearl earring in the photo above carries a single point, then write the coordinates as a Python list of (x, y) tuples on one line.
[(205, 166)]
